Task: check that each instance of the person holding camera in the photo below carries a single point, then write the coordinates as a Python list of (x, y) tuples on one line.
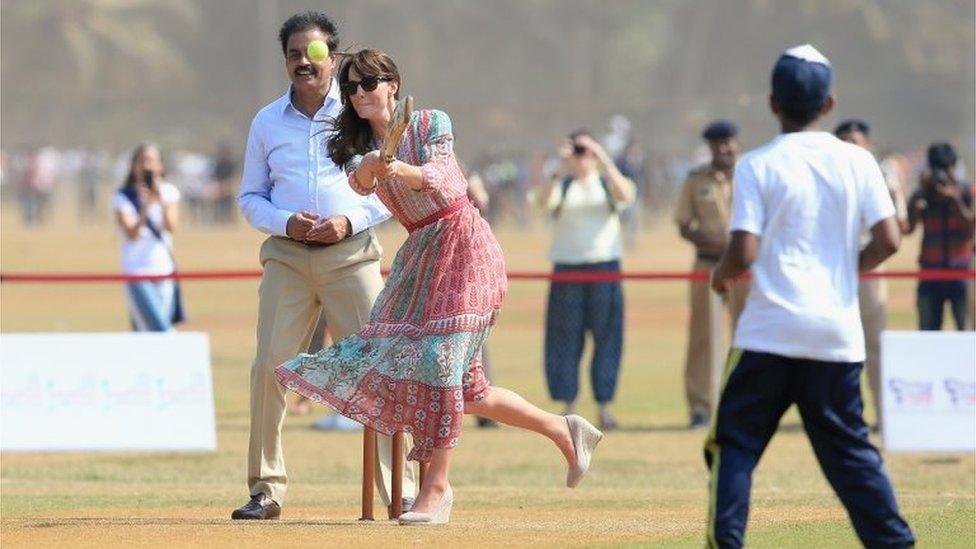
[(146, 210), (944, 208), (585, 205)]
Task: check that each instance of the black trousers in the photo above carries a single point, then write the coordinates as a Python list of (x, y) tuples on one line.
[(758, 390)]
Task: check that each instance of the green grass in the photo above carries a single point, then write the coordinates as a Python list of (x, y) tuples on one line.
[(648, 483)]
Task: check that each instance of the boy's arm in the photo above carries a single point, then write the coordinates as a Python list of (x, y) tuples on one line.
[(885, 239), (738, 257), (746, 227)]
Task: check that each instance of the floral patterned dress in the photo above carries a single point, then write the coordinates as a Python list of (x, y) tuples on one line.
[(418, 358)]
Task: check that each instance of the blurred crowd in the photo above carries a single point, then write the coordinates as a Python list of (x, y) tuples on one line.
[(37, 178)]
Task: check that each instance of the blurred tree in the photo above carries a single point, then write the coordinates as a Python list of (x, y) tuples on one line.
[(513, 73)]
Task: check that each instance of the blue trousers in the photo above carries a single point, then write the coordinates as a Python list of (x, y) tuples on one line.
[(150, 305), (759, 389), (573, 310), (932, 296)]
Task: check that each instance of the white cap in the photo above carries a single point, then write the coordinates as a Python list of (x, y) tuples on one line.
[(807, 53)]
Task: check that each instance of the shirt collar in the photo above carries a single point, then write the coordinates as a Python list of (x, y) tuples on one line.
[(330, 98)]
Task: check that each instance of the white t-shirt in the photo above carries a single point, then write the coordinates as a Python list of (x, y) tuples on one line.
[(808, 196), (587, 230), (146, 255)]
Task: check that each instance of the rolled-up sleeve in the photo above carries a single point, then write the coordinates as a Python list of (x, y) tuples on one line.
[(254, 198), (439, 163)]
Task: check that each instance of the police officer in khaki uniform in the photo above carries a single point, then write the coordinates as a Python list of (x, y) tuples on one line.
[(873, 292), (702, 215)]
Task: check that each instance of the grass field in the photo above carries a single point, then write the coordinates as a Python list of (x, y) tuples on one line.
[(648, 482)]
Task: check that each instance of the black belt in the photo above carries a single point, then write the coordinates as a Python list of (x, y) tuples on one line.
[(708, 257)]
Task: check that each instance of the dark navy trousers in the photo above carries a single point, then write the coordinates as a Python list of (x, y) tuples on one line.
[(758, 390), (932, 297), (574, 309)]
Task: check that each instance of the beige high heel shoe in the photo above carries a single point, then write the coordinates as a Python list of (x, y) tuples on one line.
[(438, 515), (585, 438)]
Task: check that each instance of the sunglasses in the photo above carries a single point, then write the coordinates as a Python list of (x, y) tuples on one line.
[(368, 83)]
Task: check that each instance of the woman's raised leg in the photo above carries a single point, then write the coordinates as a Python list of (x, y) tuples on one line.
[(508, 407)]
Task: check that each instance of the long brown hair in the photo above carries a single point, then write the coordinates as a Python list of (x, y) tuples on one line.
[(353, 134), (141, 148)]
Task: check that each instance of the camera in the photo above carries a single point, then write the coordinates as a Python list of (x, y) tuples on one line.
[(578, 150), (940, 177), (147, 178)]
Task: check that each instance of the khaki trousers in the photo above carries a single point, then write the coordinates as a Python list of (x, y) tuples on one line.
[(872, 296), (341, 280), (701, 376)]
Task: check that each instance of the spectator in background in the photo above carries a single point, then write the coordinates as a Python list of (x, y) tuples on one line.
[(873, 292), (147, 210), (944, 207), (631, 162), (585, 206), (702, 215), (225, 171), (36, 184), (193, 173), (620, 145), (90, 174)]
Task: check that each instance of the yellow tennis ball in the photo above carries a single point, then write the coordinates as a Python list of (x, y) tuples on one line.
[(317, 50)]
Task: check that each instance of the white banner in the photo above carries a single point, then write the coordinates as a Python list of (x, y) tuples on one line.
[(929, 391), (107, 391)]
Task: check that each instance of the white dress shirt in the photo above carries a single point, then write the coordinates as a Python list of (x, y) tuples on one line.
[(287, 169)]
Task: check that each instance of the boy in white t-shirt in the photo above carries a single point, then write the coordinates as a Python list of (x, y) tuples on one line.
[(799, 207)]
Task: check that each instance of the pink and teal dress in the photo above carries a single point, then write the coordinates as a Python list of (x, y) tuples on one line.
[(417, 360)]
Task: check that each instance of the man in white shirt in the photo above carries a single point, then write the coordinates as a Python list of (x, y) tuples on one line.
[(800, 205), (322, 253)]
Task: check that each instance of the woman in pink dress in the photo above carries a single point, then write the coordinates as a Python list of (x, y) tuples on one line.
[(415, 365)]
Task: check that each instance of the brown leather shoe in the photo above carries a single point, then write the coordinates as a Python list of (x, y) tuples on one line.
[(261, 507)]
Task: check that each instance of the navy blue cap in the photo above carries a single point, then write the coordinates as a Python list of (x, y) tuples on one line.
[(853, 125), (720, 129), (801, 79)]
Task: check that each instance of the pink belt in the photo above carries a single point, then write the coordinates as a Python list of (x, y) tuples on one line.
[(451, 208)]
